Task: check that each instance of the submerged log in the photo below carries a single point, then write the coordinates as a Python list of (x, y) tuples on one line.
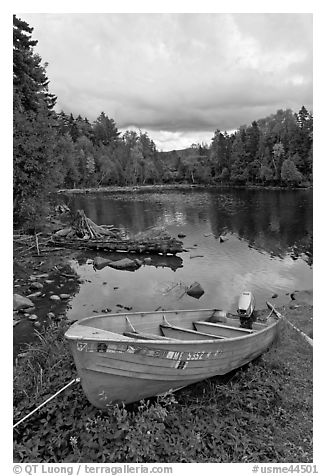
[(167, 246)]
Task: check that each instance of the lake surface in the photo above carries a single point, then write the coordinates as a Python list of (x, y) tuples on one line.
[(268, 249)]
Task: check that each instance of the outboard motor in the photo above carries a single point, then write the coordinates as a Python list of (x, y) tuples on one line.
[(246, 307)]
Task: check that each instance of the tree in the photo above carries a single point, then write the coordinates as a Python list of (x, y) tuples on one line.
[(34, 171), (225, 175), (278, 156), (86, 163), (105, 130), (290, 173), (239, 172), (29, 76), (219, 152), (252, 142), (34, 129), (254, 170), (266, 173), (66, 154)]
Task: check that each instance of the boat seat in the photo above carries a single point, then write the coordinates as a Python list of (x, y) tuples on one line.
[(221, 329), (182, 333), (94, 333), (146, 336)]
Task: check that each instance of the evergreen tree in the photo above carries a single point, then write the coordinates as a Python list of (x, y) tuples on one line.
[(219, 152), (105, 130), (252, 142), (29, 76), (34, 129)]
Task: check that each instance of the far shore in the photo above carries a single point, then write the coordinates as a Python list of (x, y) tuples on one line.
[(171, 186)]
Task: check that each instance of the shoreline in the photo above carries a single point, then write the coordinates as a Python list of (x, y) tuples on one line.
[(168, 187)]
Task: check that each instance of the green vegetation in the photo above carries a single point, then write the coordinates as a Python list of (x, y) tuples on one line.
[(261, 413), (55, 150)]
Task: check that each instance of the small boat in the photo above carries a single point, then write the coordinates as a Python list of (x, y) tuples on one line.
[(130, 356)]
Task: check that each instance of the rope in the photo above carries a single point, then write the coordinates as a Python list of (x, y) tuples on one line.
[(280, 316), (75, 380)]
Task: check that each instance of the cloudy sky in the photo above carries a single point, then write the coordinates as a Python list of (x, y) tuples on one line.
[(177, 76)]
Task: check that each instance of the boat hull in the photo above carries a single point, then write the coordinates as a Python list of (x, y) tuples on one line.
[(128, 371)]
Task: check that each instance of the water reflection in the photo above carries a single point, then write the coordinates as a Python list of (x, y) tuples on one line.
[(269, 246), (277, 222), (148, 259)]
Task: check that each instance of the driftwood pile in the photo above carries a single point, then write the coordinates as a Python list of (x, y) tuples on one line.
[(85, 234), (84, 228)]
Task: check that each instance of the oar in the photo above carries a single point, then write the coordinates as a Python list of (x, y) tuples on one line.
[(279, 315)]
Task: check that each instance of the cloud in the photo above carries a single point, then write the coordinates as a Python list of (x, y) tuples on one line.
[(177, 73)]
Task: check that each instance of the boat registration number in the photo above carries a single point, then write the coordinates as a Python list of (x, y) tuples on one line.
[(103, 347)]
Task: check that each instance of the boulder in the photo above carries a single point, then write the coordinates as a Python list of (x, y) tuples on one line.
[(29, 310), (22, 302), (35, 295), (100, 263), (64, 296), (125, 263), (195, 290), (223, 238), (55, 298), (36, 285), (33, 317)]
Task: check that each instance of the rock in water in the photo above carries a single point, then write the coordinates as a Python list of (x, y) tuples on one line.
[(21, 302), (100, 263), (55, 298), (64, 296), (36, 285), (195, 290), (35, 295), (125, 263)]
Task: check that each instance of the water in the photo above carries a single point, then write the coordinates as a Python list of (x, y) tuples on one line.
[(268, 249)]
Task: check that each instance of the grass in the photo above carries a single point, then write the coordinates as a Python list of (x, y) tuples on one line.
[(261, 413)]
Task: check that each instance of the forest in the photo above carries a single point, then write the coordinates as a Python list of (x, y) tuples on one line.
[(54, 150)]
